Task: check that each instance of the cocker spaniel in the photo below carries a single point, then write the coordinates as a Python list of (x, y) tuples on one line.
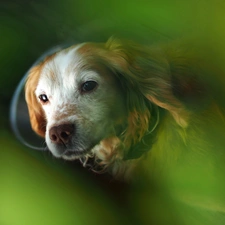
[(125, 105)]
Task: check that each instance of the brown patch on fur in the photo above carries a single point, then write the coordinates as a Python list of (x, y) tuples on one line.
[(90, 49), (111, 149), (179, 113), (138, 124), (109, 156), (37, 117)]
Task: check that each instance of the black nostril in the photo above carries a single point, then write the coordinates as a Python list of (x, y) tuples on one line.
[(53, 137), (61, 133), (65, 134)]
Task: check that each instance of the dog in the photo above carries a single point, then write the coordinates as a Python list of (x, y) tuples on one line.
[(118, 102), (136, 111)]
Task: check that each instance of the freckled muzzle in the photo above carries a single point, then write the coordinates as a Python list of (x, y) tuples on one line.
[(65, 143)]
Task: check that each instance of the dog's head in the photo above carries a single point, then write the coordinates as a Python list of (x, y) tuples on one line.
[(100, 94)]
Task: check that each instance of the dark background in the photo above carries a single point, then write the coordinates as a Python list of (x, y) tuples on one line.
[(35, 188)]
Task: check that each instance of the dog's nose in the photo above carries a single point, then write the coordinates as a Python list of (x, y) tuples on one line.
[(62, 133)]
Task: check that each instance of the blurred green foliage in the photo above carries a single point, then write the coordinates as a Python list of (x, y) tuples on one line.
[(33, 192)]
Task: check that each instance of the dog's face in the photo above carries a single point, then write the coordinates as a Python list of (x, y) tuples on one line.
[(82, 103)]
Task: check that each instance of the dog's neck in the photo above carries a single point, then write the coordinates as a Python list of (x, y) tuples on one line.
[(111, 154), (145, 145)]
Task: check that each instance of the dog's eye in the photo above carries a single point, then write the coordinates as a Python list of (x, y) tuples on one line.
[(43, 98), (88, 86)]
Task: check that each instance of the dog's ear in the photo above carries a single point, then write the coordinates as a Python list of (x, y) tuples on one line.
[(139, 116), (146, 70), (37, 117)]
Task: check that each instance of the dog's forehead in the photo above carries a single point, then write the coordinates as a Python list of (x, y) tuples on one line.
[(69, 57), (62, 62), (74, 63), (61, 68)]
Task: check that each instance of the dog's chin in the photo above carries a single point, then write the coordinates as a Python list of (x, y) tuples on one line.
[(73, 155)]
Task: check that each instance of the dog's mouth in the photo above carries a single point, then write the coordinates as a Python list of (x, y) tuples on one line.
[(72, 155), (71, 151)]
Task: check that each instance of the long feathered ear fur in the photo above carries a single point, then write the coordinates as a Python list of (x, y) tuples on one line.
[(151, 72), (37, 118)]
